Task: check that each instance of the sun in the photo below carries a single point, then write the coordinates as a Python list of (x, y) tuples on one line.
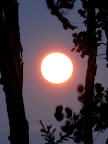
[(56, 68)]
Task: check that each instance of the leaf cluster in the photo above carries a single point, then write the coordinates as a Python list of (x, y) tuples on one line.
[(72, 123), (81, 42), (75, 123), (99, 107), (81, 39)]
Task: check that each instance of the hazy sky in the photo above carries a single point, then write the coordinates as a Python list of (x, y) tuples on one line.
[(41, 34)]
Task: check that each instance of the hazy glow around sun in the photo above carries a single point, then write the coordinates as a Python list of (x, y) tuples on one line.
[(56, 68)]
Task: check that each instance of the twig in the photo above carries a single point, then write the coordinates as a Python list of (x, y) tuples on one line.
[(97, 135)]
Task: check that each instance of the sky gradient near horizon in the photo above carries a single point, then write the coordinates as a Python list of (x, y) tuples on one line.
[(41, 33)]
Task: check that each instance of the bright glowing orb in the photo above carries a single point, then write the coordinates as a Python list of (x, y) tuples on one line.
[(56, 68)]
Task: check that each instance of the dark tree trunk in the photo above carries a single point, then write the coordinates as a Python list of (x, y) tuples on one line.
[(11, 67), (107, 141), (91, 72)]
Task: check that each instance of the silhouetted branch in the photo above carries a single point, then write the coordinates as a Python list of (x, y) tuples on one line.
[(55, 11), (97, 135), (65, 137), (49, 135)]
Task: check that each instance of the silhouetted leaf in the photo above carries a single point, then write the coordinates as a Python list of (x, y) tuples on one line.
[(53, 132), (80, 88), (75, 117), (74, 35), (67, 127), (59, 109), (42, 130), (59, 116), (43, 135), (68, 112), (72, 49), (77, 140)]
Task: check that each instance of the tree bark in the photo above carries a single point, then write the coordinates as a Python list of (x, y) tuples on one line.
[(90, 75), (11, 67)]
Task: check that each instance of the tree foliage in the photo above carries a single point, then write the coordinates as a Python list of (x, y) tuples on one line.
[(74, 123), (94, 99)]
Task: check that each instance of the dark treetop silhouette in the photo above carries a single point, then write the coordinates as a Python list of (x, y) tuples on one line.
[(11, 67), (86, 43)]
